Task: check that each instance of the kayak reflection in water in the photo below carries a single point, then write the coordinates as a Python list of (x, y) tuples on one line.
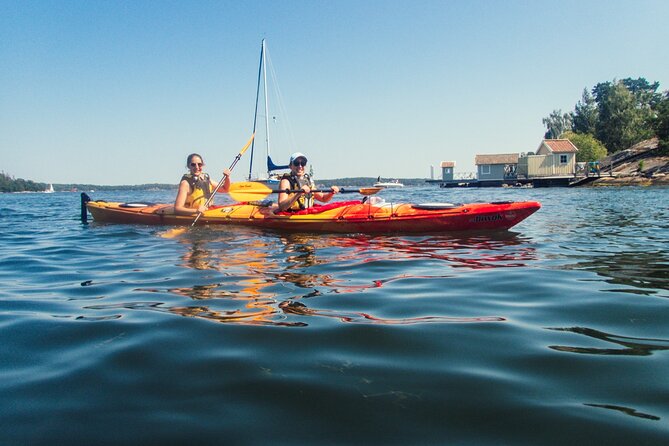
[(297, 180), (298, 308), (196, 187)]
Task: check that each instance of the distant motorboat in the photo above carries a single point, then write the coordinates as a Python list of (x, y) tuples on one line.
[(394, 183)]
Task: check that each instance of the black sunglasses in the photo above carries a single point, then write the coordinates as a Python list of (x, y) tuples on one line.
[(196, 164), (298, 163)]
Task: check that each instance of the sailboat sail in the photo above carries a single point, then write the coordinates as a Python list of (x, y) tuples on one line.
[(262, 80)]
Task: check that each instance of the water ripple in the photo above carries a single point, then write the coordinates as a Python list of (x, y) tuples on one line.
[(630, 346)]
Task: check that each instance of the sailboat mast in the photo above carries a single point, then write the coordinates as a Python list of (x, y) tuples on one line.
[(264, 73), (255, 116)]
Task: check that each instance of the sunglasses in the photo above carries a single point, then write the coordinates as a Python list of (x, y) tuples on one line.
[(299, 163), (196, 164)]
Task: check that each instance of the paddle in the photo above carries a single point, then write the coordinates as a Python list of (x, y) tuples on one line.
[(250, 191), (177, 231)]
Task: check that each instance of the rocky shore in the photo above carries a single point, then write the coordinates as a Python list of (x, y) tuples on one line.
[(631, 180), (647, 168)]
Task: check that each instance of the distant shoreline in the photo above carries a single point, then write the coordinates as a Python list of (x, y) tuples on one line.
[(634, 179), (357, 181)]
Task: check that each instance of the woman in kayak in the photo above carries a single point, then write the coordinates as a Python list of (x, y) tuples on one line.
[(298, 179), (196, 187)]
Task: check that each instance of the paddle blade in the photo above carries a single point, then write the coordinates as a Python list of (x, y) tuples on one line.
[(248, 144), (172, 233), (248, 191), (370, 190)]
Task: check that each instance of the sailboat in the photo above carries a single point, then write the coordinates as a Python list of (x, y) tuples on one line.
[(49, 190), (271, 176)]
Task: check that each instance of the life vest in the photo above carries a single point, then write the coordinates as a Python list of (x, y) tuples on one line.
[(304, 201), (200, 187)]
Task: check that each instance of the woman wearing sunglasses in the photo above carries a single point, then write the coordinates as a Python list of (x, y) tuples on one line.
[(196, 187), (298, 179)]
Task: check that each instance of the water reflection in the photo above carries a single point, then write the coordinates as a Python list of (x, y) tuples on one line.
[(256, 313), (198, 256), (626, 410), (481, 251), (258, 278), (300, 255), (298, 308), (247, 269), (644, 271), (264, 315), (630, 346)]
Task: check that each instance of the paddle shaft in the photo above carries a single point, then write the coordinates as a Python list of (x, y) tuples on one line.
[(299, 191), (220, 183)]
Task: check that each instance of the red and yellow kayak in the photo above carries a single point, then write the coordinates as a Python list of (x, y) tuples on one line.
[(340, 217)]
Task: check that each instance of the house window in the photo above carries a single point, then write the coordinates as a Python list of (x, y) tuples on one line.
[(563, 159), (485, 169)]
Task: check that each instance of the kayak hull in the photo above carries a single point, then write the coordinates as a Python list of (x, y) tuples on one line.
[(344, 217)]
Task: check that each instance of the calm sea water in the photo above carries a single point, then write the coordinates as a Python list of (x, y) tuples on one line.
[(556, 332)]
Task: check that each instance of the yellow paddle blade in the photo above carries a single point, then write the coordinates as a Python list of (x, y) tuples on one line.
[(172, 233), (248, 144), (249, 191), (369, 190)]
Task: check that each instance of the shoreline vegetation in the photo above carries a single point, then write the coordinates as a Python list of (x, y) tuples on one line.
[(74, 187), (632, 177)]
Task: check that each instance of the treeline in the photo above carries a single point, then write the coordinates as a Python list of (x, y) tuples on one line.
[(10, 184), (613, 116), (98, 187)]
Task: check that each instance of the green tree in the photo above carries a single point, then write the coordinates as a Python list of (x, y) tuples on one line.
[(585, 115), (556, 124), (661, 123), (645, 93), (647, 99), (9, 184), (621, 122), (589, 148)]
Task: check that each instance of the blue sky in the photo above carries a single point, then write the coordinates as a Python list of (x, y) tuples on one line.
[(119, 92)]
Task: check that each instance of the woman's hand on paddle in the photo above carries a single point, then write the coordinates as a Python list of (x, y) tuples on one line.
[(226, 184), (326, 196)]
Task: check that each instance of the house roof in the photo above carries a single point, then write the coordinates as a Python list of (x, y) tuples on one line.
[(559, 145), (447, 164), (502, 158)]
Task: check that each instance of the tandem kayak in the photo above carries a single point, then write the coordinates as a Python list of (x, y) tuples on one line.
[(339, 217)]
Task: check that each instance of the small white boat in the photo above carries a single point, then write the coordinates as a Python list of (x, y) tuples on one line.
[(49, 190), (394, 183)]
